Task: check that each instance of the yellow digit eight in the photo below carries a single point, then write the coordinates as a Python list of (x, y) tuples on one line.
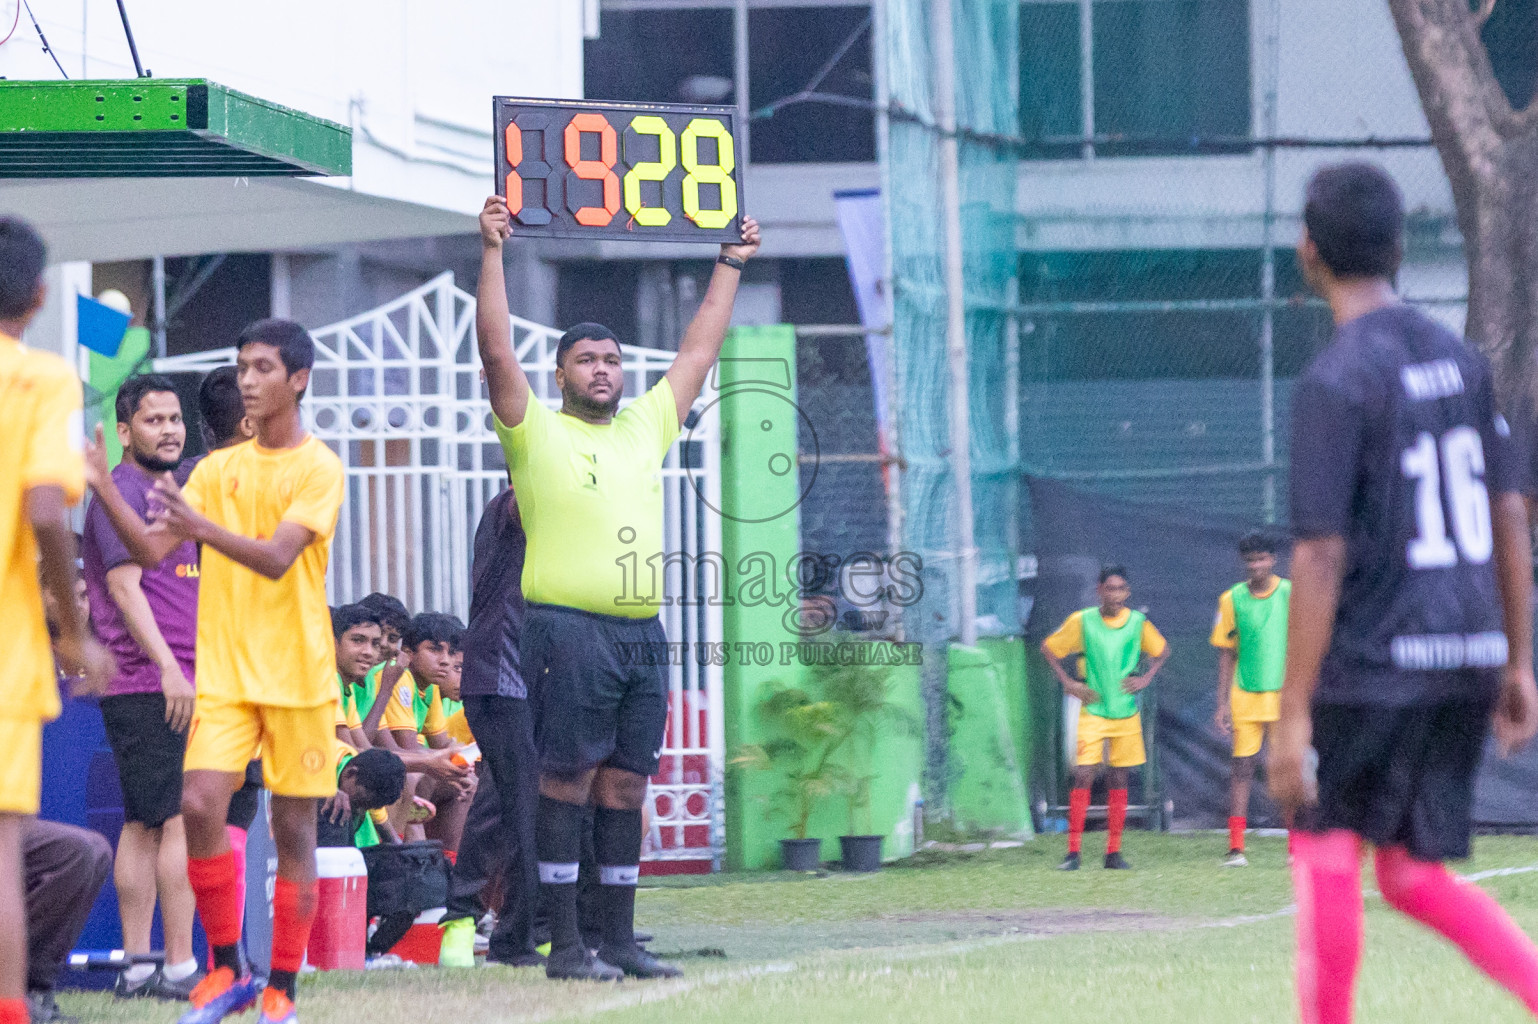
[(651, 170), (719, 173)]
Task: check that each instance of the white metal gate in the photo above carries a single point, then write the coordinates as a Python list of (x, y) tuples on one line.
[(396, 392)]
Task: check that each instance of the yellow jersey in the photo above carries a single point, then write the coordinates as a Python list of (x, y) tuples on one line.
[(263, 641), (1225, 627), (1069, 638), (590, 497), (40, 420)]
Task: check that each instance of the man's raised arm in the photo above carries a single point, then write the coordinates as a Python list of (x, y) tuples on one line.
[(148, 544), (701, 344), (505, 379)]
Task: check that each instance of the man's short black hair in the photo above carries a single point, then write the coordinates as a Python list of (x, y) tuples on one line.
[(392, 614), (220, 406), (430, 627), (1355, 216), (293, 342), (1107, 571), (588, 331), (382, 774), (23, 255), (133, 390), (1257, 543), (350, 615)]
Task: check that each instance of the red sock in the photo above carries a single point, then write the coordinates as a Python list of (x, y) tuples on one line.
[(1236, 833), (452, 856), (14, 1011), (293, 911), (1115, 819), (213, 884), (1466, 915), (1327, 878), (1078, 810)]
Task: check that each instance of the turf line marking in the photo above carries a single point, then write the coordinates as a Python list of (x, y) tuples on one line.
[(659, 991), (1480, 876)]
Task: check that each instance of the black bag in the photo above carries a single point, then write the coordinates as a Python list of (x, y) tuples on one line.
[(406, 878)]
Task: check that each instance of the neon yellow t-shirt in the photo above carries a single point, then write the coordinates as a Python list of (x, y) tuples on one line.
[(590, 497)]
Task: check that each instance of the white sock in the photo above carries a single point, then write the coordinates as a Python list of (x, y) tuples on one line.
[(185, 969), (138, 973)]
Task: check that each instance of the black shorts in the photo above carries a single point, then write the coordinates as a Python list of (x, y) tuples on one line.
[(242, 810), (598, 687), (1401, 776), (149, 756)]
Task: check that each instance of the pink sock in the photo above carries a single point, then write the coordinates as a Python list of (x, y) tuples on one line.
[(1464, 914), (1326, 876)]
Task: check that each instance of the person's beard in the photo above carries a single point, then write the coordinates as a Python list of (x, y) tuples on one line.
[(152, 463), (587, 407)]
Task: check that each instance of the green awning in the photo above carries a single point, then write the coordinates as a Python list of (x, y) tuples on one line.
[(157, 128)]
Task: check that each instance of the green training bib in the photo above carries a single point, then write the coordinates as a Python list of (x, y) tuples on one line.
[(1261, 623), (1110, 656)]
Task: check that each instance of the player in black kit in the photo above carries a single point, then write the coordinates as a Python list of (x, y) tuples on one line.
[(1410, 631)]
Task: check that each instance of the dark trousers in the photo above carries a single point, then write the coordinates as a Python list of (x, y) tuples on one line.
[(65, 867), (499, 834)]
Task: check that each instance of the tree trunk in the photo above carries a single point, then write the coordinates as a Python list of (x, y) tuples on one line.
[(1490, 154)]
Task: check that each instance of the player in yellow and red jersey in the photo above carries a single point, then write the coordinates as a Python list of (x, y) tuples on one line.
[(264, 512), (42, 475)]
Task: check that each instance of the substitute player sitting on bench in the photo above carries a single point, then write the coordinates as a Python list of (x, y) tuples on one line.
[(1113, 640)]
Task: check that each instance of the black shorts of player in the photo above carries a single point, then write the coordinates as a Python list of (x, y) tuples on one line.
[(149, 756), (1402, 776), (598, 688), (242, 810)]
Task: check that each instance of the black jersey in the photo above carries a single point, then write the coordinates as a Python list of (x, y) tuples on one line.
[(496, 603), (1397, 447)]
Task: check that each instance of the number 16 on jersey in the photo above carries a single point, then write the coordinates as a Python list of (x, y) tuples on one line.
[(665, 172)]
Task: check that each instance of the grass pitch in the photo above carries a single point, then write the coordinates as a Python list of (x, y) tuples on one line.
[(993, 936)]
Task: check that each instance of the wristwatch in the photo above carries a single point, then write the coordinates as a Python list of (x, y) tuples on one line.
[(731, 261)]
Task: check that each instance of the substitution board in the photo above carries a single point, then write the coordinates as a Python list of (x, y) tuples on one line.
[(664, 172)]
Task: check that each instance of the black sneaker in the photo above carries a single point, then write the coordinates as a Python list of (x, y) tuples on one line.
[(579, 965), (642, 938), (1070, 863), (144, 989), (638, 963), (41, 1009), (162, 987), (1115, 862)]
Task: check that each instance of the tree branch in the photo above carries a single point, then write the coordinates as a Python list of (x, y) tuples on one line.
[(1482, 14)]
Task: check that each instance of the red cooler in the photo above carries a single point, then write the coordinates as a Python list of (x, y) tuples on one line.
[(340, 932)]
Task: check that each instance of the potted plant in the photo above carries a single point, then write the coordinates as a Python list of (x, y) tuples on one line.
[(806, 731), (861, 698)]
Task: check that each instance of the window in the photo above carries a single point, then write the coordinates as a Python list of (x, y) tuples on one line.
[(1511, 38), (789, 47), (661, 57), (669, 56), (1183, 345), (1163, 74)]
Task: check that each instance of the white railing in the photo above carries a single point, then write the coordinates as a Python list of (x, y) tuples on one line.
[(396, 392)]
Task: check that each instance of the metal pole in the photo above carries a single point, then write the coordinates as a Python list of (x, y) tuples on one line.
[(1087, 75), (1268, 274), (955, 321), (881, 90), (129, 32), (740, 52), (158, 304)]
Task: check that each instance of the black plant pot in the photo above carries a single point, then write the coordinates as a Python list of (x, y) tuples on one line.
[(861, 853), (800, 854)]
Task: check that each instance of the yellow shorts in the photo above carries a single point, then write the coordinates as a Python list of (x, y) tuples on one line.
[(21, 765), (1253, 714), (296, 745), (1124, 734)]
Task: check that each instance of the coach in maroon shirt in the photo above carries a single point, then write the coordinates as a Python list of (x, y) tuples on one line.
[(148, 619)]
